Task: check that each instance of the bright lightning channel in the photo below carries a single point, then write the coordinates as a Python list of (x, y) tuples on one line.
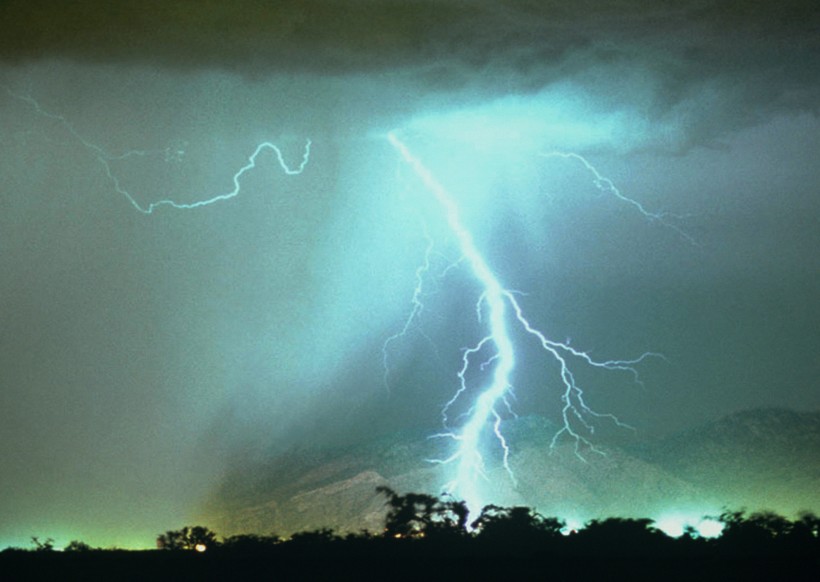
[(502, 307), (503, 310), (105, 159)]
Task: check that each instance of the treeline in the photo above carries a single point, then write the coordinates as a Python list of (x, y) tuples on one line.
[(437, 539), (423, 524)]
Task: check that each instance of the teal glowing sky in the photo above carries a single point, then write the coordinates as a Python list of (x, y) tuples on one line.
[(138, 352)]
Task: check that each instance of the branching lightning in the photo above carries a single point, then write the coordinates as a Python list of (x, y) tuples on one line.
[(497, 309), (605, 185), (503, 310), (415, 312), (104, 158)]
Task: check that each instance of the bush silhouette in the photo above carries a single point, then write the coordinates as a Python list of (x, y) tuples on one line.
[(520, 523), (418, 515), (42, 546), (616, 536), (187, 538), (249, 543), (77, 546)]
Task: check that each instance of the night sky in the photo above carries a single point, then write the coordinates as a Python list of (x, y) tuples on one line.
[(139, 352)]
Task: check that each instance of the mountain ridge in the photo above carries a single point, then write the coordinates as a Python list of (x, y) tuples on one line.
[(756, 459)]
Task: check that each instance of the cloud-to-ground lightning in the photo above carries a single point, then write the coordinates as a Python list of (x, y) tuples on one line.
[(502, 311), (497, 309), (105, 158)]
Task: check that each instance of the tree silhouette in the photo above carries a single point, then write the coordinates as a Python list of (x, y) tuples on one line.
[(77, 546), (416, 515), (316, 536), (617, 536), (42, 546), (767, 533), (435, 541), (762, 524), (806, 527), (250, 542), (188, 538), (498, 523)]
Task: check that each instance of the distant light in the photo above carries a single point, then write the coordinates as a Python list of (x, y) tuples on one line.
[(676, 525), (710, 528), (572, 526), (671, 526), (200, 547)]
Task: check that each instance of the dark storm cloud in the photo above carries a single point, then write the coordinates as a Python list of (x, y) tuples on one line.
[(360, 35), (731, 62)]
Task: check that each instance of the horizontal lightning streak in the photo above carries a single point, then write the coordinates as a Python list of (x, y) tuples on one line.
[(105, 159)]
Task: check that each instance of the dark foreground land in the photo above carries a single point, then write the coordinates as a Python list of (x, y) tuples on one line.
[(425, 538), (413, 559), (154, 565)]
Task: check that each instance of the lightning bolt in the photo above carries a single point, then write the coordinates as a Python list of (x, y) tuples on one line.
[(605, 185), (497, 308), (105, 158), (501, 310), (415, 312)]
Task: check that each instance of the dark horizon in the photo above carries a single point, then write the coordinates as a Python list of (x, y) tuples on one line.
[(425, 535)]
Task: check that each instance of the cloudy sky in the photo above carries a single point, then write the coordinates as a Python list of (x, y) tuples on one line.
[(140, 350)]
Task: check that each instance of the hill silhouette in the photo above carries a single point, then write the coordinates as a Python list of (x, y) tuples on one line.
[(759, 459)]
